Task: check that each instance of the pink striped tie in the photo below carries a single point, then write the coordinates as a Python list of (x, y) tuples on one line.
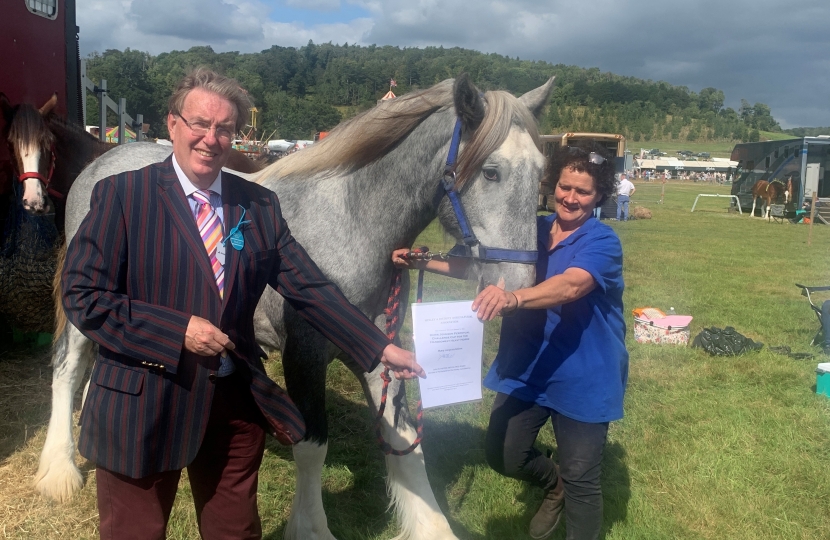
[(210, 229)]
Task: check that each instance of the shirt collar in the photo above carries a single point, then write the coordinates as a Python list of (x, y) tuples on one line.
[(188, 186), (544, 236)]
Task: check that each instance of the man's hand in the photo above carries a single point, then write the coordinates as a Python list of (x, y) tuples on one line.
[(205, 339), (402, 363)]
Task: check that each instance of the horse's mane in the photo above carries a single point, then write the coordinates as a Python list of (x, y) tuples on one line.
[(374, 133), (54, 120), (28, 130)]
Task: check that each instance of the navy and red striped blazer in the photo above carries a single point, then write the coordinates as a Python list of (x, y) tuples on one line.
[(137, 270)]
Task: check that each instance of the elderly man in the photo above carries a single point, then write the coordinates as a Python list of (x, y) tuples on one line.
[(179, 381)]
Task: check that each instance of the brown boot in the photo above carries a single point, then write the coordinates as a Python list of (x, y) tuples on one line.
[(550, 513)]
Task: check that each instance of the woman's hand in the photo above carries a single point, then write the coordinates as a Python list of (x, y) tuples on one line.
[(400, 261), (494, 301)]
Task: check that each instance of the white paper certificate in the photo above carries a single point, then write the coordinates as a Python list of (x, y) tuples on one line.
[(448, 344)]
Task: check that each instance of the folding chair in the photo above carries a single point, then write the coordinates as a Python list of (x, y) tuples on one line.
[(808, 292)]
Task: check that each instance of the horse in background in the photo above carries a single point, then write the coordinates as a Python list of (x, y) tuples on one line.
[(770, 193), (48, 155), (378, 179)]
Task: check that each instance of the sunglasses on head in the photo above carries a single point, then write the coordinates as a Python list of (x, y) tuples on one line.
[(593, 157)]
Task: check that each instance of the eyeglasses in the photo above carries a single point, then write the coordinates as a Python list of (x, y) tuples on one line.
[(593, 157), (200, 129)]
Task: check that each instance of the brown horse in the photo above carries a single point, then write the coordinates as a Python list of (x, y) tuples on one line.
[(48, 153), (769, 193)]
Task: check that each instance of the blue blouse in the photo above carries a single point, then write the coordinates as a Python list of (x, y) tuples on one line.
[(570, 358)]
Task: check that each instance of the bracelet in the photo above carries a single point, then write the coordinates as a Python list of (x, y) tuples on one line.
[(510, 312)]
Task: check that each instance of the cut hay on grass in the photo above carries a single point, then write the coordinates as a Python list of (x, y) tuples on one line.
[(640, 212), (710, 448)]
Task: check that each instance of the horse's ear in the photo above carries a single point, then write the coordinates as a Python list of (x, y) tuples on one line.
[(468, 103), (49, 105), (6, 107), (535, 100)]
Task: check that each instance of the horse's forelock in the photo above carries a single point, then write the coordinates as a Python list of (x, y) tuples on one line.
[(502, 111), (28, 129)]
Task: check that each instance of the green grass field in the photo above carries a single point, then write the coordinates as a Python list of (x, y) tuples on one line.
[(710, 448)]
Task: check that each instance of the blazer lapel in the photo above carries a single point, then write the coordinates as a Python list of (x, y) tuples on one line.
[(175, 203), (232, 212)]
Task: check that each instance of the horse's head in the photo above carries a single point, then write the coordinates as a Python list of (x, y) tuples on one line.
[(498, 172), (31, 142)]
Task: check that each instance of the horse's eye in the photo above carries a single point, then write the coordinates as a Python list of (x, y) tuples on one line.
[(491, 174)]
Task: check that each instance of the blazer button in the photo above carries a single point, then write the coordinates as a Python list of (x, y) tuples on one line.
[(212, 377)]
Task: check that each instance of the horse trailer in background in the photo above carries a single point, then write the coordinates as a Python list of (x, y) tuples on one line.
[(39, 40), (805, 161)]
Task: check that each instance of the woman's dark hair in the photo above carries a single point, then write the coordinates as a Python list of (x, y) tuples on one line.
[(587, 157)]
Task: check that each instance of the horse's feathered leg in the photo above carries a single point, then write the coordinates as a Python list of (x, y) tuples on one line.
[(57, 476), (308, 518), (304, 360), (418, 513)]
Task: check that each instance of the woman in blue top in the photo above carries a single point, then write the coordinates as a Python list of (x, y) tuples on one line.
[(562, 352)]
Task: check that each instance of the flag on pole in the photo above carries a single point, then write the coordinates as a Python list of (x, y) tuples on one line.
[(392, 82)]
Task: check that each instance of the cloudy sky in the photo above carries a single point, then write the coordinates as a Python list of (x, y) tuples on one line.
[(773, 52)]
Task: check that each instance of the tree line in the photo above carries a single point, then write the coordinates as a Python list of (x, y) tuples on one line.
[(300, 91)]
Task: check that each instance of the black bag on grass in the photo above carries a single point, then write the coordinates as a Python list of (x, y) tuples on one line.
[(726, 342)]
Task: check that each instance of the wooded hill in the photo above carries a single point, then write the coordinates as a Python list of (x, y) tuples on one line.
[(299, 91)]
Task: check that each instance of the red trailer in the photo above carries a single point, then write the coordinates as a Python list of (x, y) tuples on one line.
[(40, 57)]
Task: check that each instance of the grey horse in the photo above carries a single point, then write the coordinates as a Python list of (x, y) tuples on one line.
[(368, 188)]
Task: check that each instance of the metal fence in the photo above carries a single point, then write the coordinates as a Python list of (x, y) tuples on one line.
[(104, 103)]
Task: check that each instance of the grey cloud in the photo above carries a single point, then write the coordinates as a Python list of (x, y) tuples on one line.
[(316, 5), (206, 21)]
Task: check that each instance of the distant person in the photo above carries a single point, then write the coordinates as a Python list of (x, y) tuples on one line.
[(625, 189), (562, 355)]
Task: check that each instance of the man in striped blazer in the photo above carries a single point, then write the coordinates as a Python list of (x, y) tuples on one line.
[(179, 381)]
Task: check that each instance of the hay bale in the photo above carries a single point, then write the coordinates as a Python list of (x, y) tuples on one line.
[(28, 260), (640, 212)]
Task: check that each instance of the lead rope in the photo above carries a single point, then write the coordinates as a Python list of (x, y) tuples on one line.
[(393, 325)]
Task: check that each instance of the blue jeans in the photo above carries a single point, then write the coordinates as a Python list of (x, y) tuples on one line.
[(622, 207), (514, 426)]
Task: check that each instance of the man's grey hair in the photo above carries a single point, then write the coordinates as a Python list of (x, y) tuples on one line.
[(209, 80)]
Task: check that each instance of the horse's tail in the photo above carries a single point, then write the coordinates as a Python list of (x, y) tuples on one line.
[(57, 295)]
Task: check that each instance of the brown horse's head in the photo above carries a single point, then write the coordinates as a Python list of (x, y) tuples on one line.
[(31, 143)]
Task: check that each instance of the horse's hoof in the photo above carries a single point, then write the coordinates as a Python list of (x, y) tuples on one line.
[(447, 535), (58, 482), (292, 533)]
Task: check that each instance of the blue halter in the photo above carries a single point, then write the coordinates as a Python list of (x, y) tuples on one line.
[(472, 248)]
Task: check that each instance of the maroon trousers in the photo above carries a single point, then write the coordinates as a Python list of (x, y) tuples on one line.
[(223, 478)]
